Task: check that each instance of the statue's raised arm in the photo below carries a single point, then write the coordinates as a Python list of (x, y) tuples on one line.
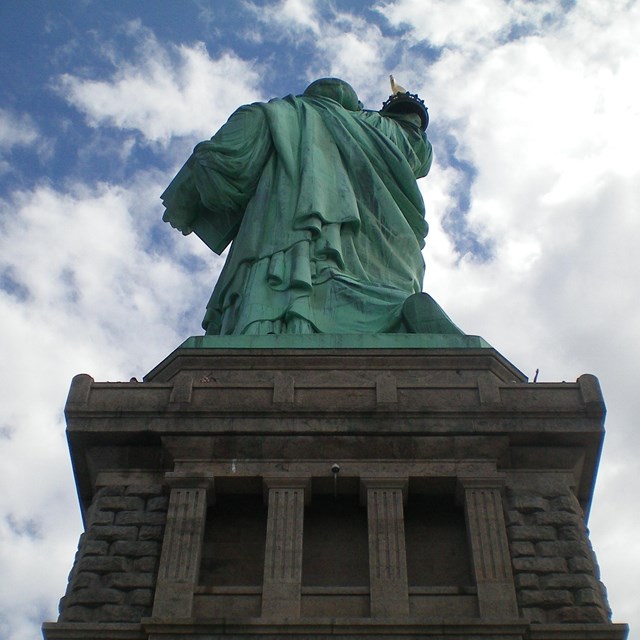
[(321, 202)]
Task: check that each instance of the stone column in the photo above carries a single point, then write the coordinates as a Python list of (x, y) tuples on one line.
[(283, 550), (181, 548), (387, 551), (489, 546)]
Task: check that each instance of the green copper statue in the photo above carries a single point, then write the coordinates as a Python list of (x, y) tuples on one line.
[(321, 202)]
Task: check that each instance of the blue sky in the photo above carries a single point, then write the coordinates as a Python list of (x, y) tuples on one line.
[(532, 203)]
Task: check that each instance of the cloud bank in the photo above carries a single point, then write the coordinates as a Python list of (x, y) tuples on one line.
[(167, 91)]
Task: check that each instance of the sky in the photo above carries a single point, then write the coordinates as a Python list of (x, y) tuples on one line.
[(532, 201)]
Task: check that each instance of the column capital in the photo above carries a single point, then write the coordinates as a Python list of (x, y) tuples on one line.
[(493, 481), (389, 482), (287, 482), (468, 483), (189, 480), (394, 483)]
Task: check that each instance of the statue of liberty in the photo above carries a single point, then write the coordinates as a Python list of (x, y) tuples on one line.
[(320, 200)]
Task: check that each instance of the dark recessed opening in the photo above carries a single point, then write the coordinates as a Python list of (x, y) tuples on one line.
[(234, 541), (336, 548), (436, 540)]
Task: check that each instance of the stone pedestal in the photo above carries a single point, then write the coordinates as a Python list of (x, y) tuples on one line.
[(464, 485)]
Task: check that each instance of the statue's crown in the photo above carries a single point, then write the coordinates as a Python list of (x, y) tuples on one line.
[(401, 103)]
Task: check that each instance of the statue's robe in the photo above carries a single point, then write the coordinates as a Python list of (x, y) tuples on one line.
[(325, 215)]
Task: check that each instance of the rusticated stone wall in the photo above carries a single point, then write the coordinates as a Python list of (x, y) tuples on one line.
[(555, 571), (114, 574)]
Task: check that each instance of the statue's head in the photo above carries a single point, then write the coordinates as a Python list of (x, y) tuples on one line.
[(336, 89)]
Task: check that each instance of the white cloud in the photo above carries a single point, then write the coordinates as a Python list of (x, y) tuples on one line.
[(469, 25), (447, 22), (19, 130), (16, 130), (295, 16), (348, 47), (168, 91), (343, 44), (85, 283)]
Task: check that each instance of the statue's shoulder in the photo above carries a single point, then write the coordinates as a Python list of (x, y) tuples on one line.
[(371, 116), (260, 114), (285, 102), (273, 106)]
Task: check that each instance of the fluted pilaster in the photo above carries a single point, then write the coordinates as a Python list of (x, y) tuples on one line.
[(387, 551), (489, 546), (283, 553), (181, 551)]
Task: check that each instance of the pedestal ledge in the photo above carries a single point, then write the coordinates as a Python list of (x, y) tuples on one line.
[(326, 351), (338, 341), (337, 629)]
